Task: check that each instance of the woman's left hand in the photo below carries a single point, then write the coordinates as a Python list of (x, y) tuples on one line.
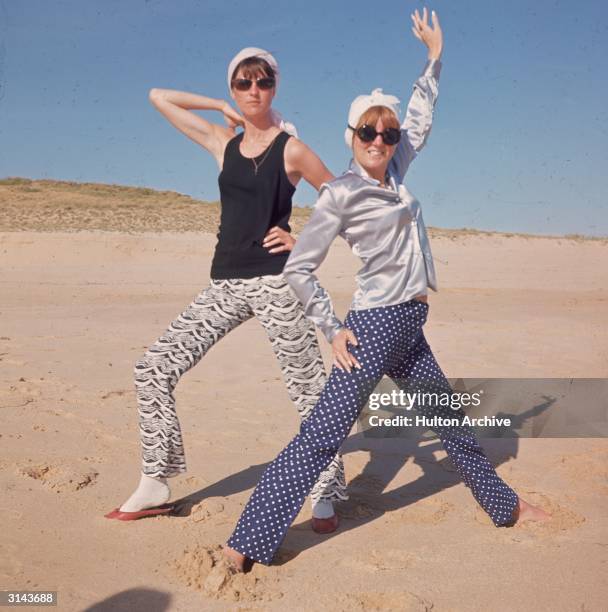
[(279, 239), (432, 37)]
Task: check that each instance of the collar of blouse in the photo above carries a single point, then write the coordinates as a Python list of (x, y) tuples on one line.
[(393, 192), (389, 181)]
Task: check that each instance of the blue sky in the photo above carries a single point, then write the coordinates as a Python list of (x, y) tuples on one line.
[(519, 141)]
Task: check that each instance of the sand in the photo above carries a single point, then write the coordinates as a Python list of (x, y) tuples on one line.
[(77, 310)]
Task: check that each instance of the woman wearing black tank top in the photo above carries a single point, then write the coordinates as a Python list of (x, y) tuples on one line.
[(259, 169)]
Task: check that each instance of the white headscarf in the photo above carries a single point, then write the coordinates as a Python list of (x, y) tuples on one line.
[(361, 103), (248, 52)]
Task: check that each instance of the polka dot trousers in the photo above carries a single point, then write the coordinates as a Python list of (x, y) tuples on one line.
[(390, 342)]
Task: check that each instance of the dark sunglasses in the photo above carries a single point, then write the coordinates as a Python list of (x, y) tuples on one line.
[(245, 84), (367, 133)]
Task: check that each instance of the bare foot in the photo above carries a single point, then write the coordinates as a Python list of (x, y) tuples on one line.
[(236, 559), (527, 512)]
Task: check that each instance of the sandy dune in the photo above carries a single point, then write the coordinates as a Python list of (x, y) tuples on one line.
[(77, 309)]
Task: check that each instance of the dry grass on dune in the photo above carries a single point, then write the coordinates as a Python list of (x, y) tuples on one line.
[(52, 206), (60, 206), (49, 206)]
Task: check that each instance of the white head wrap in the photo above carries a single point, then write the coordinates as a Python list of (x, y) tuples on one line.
[(248, 52), (362, 103)]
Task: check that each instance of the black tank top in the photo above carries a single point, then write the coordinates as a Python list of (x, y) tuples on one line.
[(251, 205)]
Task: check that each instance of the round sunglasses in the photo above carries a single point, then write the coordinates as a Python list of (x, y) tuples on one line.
[(264, 83), (368, 133)]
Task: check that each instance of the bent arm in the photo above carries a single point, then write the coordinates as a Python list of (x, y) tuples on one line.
[(417, 124), (307, 255), (176, 107), (302, 162)]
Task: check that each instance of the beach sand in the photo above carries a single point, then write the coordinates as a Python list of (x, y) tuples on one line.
[(78, 309)]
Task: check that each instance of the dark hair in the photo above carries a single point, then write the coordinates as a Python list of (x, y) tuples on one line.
[(253, 67)]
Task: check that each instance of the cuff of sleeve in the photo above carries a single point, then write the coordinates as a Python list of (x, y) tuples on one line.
[(432, 68), (333, 331)]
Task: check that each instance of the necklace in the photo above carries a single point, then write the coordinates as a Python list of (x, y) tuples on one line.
[(257, 165)]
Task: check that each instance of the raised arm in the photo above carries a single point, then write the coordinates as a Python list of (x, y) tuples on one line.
[(418, 120), (177, 107), (307, 255)]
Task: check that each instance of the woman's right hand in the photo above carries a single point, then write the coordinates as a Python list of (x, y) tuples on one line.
[(178, 107), (231, 117), (342, 358)]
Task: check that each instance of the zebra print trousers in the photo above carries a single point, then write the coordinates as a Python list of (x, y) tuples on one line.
[(217, 310)]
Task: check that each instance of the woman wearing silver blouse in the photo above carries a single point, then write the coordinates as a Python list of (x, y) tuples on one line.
[(382, 334)]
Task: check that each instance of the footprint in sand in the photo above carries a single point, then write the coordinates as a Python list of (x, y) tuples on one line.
[(195, 481), (562, 519), (381, 560), (203, 568), (208, 509), (20, 394), (371, 601), (59, 478), (422, 512)]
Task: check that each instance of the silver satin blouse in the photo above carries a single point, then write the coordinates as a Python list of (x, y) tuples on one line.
[(383, 226)]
